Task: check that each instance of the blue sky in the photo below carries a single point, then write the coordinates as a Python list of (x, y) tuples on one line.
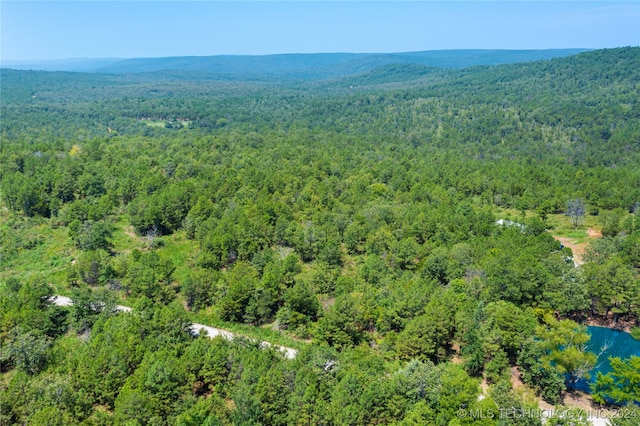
[(125, 29)]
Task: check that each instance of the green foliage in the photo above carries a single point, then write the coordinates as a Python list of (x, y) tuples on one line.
[(27, 350), (539, 373), (506, 328), (566, 343), (47, 399), (443, 389), (27, 307), (611, 221), (162, 210), (241, 287), (199, 288), (91, 236), (340, 326), (151, 276), (503, 398), (428, 336), (301, 307), (88, 305), (630, 417), (94, 268), (622, 385), (153, 390), (110, 357), (622, 288)]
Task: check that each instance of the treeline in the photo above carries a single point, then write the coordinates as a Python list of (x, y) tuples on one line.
[(39, 179)]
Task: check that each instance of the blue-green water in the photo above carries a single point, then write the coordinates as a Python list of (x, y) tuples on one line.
[(620, 344)]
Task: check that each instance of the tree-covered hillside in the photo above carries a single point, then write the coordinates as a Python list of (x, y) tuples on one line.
[(354, 218), (292, 66)]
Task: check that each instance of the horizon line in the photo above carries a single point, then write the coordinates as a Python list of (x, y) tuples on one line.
[(97, 58)]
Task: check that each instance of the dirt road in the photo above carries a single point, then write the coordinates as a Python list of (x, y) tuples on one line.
[(578, 249), (196, 329)]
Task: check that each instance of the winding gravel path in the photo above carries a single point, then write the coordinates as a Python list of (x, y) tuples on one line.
[(196, 329)]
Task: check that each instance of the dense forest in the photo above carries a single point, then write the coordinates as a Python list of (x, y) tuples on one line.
[(354, 218)]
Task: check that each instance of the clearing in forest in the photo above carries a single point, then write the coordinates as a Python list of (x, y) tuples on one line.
[(578, 242)]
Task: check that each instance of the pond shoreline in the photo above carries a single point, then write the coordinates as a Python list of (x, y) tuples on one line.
[(621, 324)]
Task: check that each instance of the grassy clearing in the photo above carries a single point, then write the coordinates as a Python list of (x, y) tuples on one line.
[(181, 251), (561, 225), (154, 123), (34, 250), (578, 236), (511, 214), (163, 123), (124, 238)]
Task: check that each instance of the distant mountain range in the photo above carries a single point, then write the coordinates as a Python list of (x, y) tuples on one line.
[(74, 65), (303, 67)]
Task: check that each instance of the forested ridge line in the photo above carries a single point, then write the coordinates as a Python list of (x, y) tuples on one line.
[(292, 67), (582, 108), (358, 215)]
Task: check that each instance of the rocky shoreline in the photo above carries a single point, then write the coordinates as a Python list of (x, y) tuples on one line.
[(621, 324)]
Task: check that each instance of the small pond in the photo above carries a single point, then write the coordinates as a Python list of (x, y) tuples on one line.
[(620, 344)]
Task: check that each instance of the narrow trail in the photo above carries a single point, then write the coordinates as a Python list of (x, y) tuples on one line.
[(195, 328)]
